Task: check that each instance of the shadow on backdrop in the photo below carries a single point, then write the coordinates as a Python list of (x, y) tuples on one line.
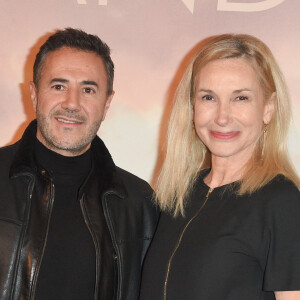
[(24, 87)]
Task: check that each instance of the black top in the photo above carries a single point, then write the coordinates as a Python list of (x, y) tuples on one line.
[(68, 265), (237, 248)]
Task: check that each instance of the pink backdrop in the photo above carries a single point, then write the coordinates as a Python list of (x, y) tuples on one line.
[(151, 42)]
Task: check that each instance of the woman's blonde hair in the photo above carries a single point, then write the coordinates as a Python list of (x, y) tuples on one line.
[(186, 155)]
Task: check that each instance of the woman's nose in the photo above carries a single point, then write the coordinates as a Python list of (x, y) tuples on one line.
[(223, 116)]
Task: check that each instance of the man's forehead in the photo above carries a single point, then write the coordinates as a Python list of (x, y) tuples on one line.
[(73, 60), (65, 53)]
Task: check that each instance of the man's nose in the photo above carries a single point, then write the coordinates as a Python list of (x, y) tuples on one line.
[(72, 100)]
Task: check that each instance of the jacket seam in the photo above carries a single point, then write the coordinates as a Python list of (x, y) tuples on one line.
[(21, 240), (41, 250), (8, 220), (142, 239)]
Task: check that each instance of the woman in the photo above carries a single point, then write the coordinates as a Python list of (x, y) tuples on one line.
[(230, 226)]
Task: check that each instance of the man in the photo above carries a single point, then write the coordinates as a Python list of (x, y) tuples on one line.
[(72, 224)]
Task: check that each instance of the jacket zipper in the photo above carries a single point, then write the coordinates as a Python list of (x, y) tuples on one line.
[(95, 244), (115, 244), (180, 239), (52, 191)]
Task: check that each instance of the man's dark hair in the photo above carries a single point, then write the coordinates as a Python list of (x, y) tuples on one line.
[(77, 39)]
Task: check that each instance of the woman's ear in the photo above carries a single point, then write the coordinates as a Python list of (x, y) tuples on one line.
[(269, 108)]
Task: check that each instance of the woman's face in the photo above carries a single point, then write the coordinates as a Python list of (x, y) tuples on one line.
[(229, 109)]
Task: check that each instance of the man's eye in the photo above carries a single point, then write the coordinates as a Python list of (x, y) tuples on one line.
[(89, 90), (207, 97), (58, 87)]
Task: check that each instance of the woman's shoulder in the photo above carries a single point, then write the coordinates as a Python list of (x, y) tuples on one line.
[(275, 204), (280, 193), (281, 185)]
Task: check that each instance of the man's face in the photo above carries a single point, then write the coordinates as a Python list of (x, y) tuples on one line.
[(71, 100)]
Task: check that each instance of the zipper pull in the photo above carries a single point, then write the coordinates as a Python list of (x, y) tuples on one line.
[(209, 192)]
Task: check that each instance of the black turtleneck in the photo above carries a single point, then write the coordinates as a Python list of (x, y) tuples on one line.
[(68, 265)]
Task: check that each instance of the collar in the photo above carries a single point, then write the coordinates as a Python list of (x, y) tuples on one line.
[(103, 166)]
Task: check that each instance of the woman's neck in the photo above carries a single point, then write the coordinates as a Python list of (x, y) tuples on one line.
[(224, 171)]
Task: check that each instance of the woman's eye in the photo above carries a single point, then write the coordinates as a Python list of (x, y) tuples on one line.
[(242, 98), (207, 97)]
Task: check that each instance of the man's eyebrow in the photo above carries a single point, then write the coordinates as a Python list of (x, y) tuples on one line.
[(62, 80), (90, 82)]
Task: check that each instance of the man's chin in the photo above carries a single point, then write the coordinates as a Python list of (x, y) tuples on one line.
[(67, 143), (68, 149)]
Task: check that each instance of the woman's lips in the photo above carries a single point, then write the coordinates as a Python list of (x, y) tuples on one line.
[(224, 135)]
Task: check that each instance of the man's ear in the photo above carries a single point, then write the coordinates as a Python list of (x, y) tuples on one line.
[(269, 108), (33, 94), (107, 104)]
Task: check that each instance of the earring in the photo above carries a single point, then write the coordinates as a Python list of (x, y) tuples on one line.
[(263, 144)]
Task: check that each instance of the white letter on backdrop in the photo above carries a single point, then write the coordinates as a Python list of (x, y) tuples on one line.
[(249, 7), (100, 2), (189, 4)]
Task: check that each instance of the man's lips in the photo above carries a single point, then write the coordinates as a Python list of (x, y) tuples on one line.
[(224, 135), (68, 121)]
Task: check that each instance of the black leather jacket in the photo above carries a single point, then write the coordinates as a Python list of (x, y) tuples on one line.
[(26, 199)]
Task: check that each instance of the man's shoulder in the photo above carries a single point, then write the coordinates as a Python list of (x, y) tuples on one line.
[(8, 150), (138, 194), (132, 181), (6, 156), (129, 176)]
